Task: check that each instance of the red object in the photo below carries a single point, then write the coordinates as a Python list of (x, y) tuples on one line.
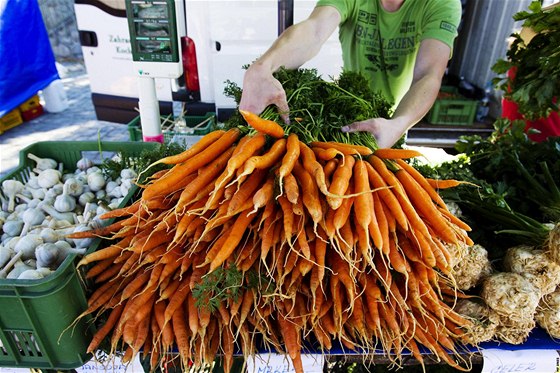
[(32, 113), (190, 65), (548, 127)]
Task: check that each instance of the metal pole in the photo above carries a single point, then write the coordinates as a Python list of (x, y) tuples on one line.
[(149, 110), (285, 15)]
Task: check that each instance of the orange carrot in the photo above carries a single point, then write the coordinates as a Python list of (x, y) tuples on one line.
[(289, 158), (196, 148), (421, 180), (340, 181), (107, 327), (327, 154), (387, 196), (265, 194), (392, 153), (310, 197), (315, 169), (246, 191), (237, 232), (347, 149), (423, 202), (203, 179), (446, 184), (174, 180), (265, 126), (265, 161)]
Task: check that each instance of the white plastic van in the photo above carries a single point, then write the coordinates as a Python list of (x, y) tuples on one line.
[(222, 37)]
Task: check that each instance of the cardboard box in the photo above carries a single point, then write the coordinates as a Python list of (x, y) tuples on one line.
[(10, 120)]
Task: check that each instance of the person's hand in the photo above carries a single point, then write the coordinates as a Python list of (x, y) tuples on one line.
[(261, 89), (386, 131)]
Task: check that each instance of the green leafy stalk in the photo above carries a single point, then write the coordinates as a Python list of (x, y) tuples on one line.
[(535, 87)]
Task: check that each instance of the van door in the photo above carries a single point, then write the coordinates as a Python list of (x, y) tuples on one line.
[(228, 35), (105, 41)]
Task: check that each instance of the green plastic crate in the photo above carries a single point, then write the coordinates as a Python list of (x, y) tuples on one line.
[(200, 125), (36, 317), (452, 109)]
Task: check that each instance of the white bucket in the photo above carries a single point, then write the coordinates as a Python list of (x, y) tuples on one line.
[(55, 97)]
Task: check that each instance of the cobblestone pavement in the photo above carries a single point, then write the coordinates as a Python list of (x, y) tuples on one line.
[(77, 123)]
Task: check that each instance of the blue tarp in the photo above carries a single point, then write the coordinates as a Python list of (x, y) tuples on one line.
[(27, 63)]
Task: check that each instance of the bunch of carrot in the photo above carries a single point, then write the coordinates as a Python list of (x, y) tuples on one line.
[(262, 241)]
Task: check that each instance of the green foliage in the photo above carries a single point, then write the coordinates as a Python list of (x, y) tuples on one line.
[(516, 182), (319, 108), (227, 284), (536, 84), (112, 166)]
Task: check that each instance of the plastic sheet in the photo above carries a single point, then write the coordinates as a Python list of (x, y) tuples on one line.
[(27, 63)]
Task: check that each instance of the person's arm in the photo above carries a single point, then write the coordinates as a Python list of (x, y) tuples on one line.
[(429, 68), (297, 44)]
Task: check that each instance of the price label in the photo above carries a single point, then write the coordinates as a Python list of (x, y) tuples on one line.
[(276, 363), (112, 364), (535, 361)]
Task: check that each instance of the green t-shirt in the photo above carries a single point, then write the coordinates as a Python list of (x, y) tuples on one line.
[(389, 65)]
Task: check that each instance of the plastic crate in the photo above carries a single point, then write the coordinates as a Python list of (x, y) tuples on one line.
[(37, 316), (196, 126), (450, 108), (31, 109), (10, 120)]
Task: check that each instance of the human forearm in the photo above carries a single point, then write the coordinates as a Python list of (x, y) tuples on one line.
[(292, 49), (417, 101)]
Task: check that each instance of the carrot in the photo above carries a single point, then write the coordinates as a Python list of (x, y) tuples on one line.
[(265, 161), (311, 199), (315, 169), (425, 206), (288, 218), (342, 213), (397, 259), (363, 204), (271, 235), (292, 188), (141, 334), (98, 268), (196, 148), (203, 179), (455, 220), (329, 169), (387, 196), (340, 181), (289, 159), (347, 149), (107, 327), (103, 231), (131, 326), (382, 223), (166, 330), (192, 313), (105, 253), (262, 125), (265, 194), (174, 180), (327, 154), (237, 233), (246, 191), (416, 175), (170, 289), (228, 343), (392, 153), (446, 184), (244, 151)]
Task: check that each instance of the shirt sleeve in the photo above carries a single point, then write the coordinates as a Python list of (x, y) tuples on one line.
[(343, 6), (441, 21)]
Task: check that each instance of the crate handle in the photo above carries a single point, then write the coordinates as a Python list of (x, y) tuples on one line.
[(454, 109)]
